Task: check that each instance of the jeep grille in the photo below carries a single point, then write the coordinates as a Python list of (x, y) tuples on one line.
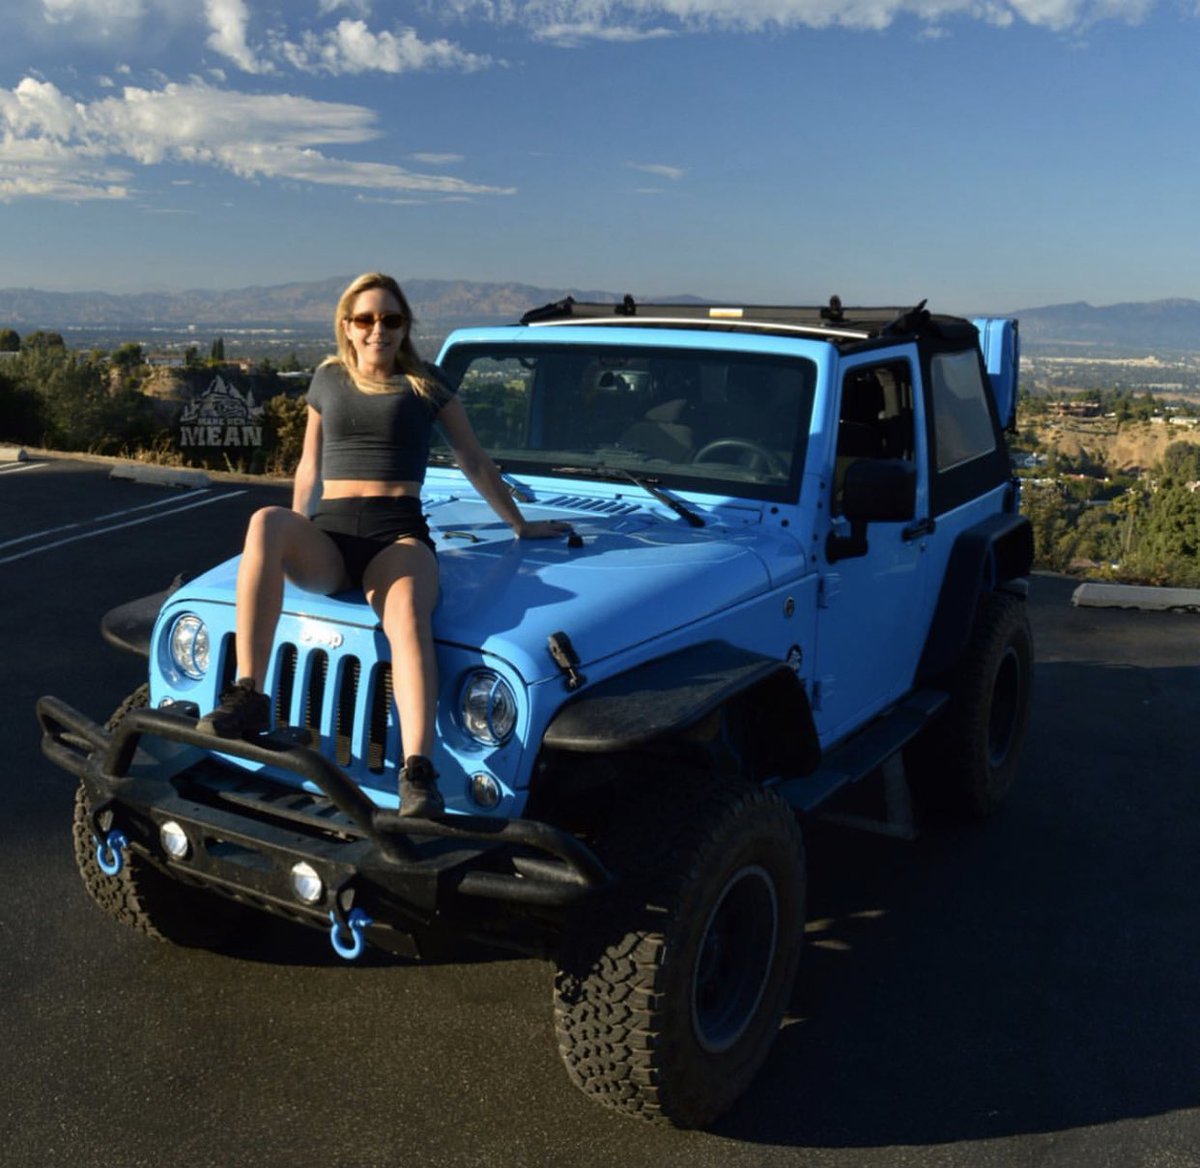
[(325, 694)]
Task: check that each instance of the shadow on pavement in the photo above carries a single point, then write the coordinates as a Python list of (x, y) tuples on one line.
[(1033, 973)]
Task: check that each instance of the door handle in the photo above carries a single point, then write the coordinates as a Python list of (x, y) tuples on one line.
[(917, 530)]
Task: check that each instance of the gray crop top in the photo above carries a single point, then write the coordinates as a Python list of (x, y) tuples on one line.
[(379, 436)]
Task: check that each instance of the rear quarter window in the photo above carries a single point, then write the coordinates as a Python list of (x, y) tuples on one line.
[(962, 422)]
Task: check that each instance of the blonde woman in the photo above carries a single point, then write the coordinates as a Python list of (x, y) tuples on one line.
[(356, 521)]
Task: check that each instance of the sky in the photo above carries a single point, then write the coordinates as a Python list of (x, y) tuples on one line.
[(987, 155)]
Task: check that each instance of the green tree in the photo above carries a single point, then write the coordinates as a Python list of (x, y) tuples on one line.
[(75, 408), (43, 340), (1043, 504), (10, 341), (1181, 462), (21, 418), (1168, 547), (284, 418), (217, 353), (128, 357), (1097, 536), (1128, 508)]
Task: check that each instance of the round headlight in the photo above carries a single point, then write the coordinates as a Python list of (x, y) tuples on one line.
[(189, 646), (489, 708)]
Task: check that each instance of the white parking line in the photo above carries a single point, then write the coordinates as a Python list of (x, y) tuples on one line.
[(18, 466), (165, 503), (116, 526)]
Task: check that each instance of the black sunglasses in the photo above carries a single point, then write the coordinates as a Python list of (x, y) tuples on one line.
[(366, 320)]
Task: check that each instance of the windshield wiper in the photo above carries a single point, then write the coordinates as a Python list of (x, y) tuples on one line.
[(518, 492), (647, 484)]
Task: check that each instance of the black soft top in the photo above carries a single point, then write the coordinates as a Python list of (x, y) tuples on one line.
[(834, 322)]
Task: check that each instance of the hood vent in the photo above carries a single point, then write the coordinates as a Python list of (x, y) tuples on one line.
[(592, 506)]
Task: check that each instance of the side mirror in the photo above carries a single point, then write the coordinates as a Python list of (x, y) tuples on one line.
[(875, 490)]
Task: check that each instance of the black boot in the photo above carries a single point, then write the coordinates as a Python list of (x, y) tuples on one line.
[(419, 795), (243, 712)]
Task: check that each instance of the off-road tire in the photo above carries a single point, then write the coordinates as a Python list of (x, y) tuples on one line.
[(142, 896), (966, 763), (670, 992)]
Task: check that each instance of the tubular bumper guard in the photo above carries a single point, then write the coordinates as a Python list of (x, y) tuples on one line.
[(246, 833)]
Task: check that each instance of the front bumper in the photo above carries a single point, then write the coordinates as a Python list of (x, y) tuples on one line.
[(502, 879)]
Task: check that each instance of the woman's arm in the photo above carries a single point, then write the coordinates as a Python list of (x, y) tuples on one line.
[(307, 486), (476, 464)]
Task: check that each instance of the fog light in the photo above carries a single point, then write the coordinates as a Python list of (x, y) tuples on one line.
[(306, 884), (174, 840), (485, 791)]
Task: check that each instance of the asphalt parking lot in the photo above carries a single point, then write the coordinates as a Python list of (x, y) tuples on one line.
[(1015, 993)]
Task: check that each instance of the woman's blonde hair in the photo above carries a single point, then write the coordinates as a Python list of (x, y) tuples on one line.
[(410, 369)]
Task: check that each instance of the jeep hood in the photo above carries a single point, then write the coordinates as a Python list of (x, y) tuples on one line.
[(635, 577)]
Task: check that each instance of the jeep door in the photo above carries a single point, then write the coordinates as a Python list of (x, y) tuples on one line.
[(875, 595)]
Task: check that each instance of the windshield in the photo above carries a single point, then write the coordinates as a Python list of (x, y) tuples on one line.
[(726, 422)]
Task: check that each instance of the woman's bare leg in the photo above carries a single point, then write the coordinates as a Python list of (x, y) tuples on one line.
[(401, 584), (279, 542)]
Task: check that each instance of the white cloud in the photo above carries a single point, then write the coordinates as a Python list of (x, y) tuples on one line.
[(351, 47), (229, 21), (52, 146), (89, 20), (331, 37), (674, 173), (105, 14), (42, 168), (1066, 14), (570, 21), (334, 37), (578, 32), (427, 159)]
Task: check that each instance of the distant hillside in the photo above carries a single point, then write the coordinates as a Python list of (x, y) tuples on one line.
[(437, 303), (1134, 329), (1121, 447)]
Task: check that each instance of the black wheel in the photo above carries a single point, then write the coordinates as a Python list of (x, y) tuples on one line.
[(967, 762), (670, 994), (142, 896)]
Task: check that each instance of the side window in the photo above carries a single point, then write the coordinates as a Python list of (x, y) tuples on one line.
[(875, 418), (962, 423)]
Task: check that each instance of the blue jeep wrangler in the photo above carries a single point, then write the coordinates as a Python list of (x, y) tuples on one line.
[(796, 571)]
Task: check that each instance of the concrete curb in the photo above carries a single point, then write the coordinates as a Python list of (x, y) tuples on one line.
[(37, 454), (13, 454), (1095, 595), (161, 476)]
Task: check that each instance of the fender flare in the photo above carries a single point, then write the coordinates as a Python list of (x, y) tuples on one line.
[(130, 626), (674, 693), (997, 553)]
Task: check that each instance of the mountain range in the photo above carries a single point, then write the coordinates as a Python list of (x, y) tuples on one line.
[(436, 303), (1138, 328), (1131, 329)]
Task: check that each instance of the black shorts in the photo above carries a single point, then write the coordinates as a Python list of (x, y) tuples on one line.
[(363, 527)]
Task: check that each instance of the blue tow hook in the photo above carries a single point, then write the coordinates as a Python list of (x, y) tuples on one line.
[(110, 852), (356, 924)]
